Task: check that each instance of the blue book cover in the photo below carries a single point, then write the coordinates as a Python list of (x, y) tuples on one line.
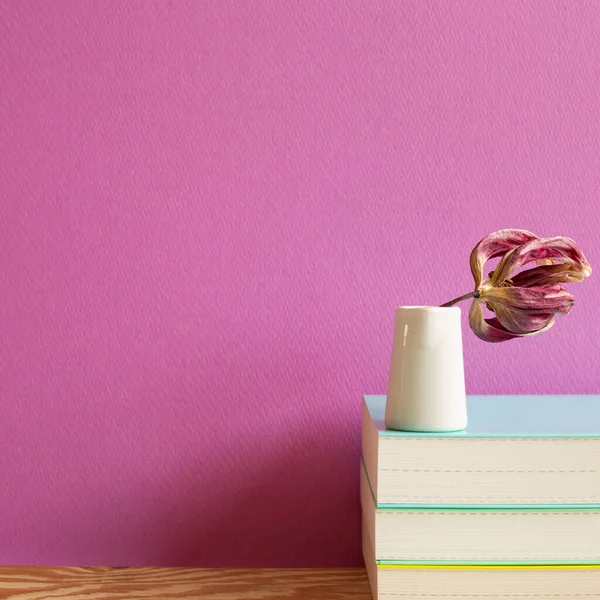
[(513, 416)]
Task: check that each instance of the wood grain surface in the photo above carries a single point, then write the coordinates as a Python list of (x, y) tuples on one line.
[(105, 583)]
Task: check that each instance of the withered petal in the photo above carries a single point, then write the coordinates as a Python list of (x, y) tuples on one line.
[(496, 244), (547, 275), (523, 322), (537, 299), (557, 248), (488, 330)]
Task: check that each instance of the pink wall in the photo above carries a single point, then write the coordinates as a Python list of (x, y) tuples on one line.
[(209, 211)]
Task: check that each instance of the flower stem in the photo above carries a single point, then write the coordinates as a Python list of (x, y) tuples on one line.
[(473, 294)]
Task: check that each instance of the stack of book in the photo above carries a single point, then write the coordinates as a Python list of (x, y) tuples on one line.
[(507, 509)]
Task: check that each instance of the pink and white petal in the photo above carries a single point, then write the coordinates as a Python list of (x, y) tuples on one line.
[(494, 245), (547, 275), (557, 248), (522, 322), (565, 309), (496, 323), (485, 330), (491, 330), (549, 298)]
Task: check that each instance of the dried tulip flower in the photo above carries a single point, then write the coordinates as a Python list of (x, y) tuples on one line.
[(524, 302)]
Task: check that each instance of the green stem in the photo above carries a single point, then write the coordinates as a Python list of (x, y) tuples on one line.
[(473, 294)]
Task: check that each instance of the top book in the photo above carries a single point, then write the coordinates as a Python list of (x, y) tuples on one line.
[(516, 450)]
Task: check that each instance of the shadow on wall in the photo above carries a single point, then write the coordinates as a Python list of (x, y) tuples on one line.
[(275, 489), (278, 511)]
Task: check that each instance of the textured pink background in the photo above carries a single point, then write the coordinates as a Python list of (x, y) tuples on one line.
[(209, 211)]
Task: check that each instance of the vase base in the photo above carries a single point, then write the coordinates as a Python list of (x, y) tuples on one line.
[(425, 429)]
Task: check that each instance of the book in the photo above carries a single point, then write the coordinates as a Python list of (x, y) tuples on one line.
[(505, 535), (393, 581), (522, 451)]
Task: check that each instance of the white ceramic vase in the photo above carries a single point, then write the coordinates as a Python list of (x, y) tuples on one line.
[(426, 389)]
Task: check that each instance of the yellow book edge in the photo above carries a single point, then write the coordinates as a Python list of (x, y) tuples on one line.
[(490, 567)]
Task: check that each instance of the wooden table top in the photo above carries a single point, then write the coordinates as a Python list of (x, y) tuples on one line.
[(105, 583)]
